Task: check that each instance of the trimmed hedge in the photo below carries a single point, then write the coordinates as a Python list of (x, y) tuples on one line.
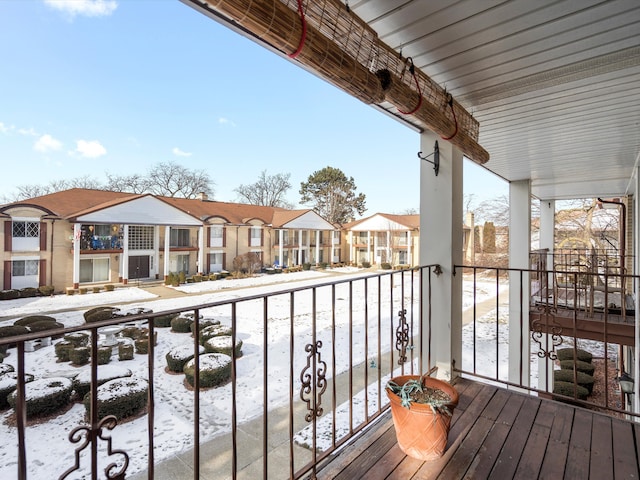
[(6, 368), (46, 290), (222, 344), (178, 357), (62, 350), (164, 321), (26, 321), (77, 339), (569, 389), (213, 331), (204, 323), (215, 369), (28, 292), (44, 396), (121, 397), (579, 365), (82, 381), (11, 294), (8, 383), (181, 324), (79, 355), (125, 351), (567, 354), (583, 379), (97, 314)]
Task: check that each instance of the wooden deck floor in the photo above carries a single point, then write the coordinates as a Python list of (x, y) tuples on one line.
[(500, 434)]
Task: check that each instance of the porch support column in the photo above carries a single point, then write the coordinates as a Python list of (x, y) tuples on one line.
[(167, 250), (410, 261), (519, 287), (77, 233), (281, 248), (547, 241), (441, 244), (125, 255), (635, 400), (317, 247), (201, 266)]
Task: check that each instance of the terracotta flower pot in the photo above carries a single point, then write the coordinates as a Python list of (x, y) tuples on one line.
[(421, 433)]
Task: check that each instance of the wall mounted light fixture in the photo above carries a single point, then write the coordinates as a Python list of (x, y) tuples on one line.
[(436, 158)]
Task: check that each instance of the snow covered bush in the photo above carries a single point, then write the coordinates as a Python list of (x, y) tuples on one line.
[(178, 356), (80, 355), (97, 314), (204, 323), (8, 383), (122, 397), (215, 369), (223, 344), (213, 331), (164, 321), (181, 324), (82, 381), (45, 395)]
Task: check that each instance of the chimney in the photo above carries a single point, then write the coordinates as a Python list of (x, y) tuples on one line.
[(203, 196)]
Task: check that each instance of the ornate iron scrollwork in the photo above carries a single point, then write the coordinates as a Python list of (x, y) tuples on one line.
[(311, 391), (552, 327), (402, 336), (83, 435)]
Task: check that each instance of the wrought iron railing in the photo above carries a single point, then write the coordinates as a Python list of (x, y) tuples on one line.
[(550, 324), (310, 376)]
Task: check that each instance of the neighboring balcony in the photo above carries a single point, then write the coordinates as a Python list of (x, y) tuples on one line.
[(308, 380)]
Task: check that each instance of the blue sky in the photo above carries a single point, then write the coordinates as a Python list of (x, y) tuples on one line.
[(119, 86)]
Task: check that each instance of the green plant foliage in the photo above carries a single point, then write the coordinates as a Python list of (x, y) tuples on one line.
[(10, 294), (581, 366), (306, 266), (385, 266), (8, 383), (98, 314), (82, 381), (79, 355), (46, 326), (26, 321), (125, 351), (46, 290), (104, 355), (63, 349), (181, 324), (215, 369), (121, 397), (223, 344), (164, 321), (178, 356), (109, 287), (28, 292), (583, 379), (77, 339), (366, 264), (204, 323), (182, 277), (567, 354), (44, 396), (213, 331), (568, 389)]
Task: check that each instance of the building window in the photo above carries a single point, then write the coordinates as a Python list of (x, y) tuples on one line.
[(24, 268), (180, 237), (216, 260), (25, 229), (94, 270), (217, 236), (141, 237), (256, 236)]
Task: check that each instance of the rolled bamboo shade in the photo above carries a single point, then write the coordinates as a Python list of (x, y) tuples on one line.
[(329, 39)]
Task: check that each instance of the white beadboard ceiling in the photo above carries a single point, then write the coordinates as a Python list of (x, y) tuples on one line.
[(555, 85)]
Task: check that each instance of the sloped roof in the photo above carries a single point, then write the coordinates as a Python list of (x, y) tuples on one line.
[(77, 202), (385, 221)]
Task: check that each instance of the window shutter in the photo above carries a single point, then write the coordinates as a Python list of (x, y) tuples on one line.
[(208, 265), (224, 236), (261, 237), (208, 237), (7, 274), (224, 261), (43, 273), (249, 235), (8, 235), (43, 237)]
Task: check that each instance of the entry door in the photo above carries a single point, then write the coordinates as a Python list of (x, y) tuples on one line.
[(138, 267)]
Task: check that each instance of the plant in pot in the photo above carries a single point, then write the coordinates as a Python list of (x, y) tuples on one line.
[(421, 408)]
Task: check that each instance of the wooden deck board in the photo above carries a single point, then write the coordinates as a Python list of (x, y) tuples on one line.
[(501, 434)]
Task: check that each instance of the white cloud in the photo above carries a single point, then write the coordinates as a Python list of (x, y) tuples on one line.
[(28, 132), (90, 148), (179, 153), (3, 128), (46, 143), (88, 8), (226, 121)]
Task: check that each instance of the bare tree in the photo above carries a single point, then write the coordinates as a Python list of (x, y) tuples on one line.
[(172, 180), (31, 191), (269, 191), (135, 183)]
